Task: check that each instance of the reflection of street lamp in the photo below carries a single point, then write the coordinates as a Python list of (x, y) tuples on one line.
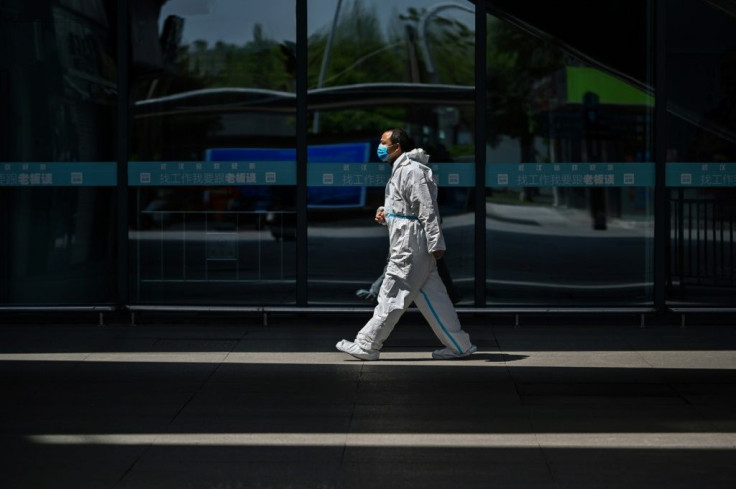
[(428, 62), (326, 59)]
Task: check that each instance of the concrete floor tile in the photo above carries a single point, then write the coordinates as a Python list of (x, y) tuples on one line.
[(263, 417), (237, 369), (444, 467), (617, 418), (242, 474), (115, 393), (437, 393), (690, 359), (712, 394), (210, 448), (722, 418), (42, 465), (619, 393), (460, 418), (434, 371), (642, 469), (589, 359), (276, 393)]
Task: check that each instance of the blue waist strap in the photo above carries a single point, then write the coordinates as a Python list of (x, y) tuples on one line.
[(402, 216)]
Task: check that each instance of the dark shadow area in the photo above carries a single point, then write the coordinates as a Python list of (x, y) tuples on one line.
[(151, 396), (412, 334), (145, 420), (319, 467), (487, 357)]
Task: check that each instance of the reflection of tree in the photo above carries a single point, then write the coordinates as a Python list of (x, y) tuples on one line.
[(259, 63), (516, 60), (362, 53), (357, 34), (452, 47)]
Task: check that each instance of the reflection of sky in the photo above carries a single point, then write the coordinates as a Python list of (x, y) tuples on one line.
[(232, 21)]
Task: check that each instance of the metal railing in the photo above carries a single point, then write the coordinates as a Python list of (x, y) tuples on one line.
[(702, 242)]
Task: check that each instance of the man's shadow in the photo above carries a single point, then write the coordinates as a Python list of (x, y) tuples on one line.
[(498, 357), (487, 357)]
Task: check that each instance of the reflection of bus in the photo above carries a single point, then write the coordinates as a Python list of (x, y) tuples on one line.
[(272, 198), (317, 197)]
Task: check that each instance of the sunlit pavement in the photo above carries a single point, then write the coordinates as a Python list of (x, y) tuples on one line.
[(252, 406)]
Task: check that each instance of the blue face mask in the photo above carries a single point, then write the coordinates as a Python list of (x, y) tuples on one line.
[(382, 152)]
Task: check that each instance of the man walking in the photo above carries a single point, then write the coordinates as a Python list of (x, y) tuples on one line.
[(416, 243)]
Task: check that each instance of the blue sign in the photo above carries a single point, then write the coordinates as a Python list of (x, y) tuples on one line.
[(701, 174), (252, 167), (210, 173), (52, 174), (342, 196), (453, 174), (377, 174), (570, 175), (348, 174), (338, 175)]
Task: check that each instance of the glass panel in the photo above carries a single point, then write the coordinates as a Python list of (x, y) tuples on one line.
[(569, 177), (58, 93), (213, 152), (374, 66), (701, 153)]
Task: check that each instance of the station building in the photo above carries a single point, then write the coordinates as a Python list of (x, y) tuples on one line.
[(188, 154)]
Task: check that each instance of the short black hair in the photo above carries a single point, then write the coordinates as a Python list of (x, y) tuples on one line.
[(398, 135)]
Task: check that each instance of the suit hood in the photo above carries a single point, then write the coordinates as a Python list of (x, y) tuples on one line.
[(418, 155)]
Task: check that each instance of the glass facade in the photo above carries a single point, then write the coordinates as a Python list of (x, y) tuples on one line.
[(58, 93), (222, 152)]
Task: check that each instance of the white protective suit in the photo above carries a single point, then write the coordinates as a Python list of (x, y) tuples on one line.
[(413, 221)]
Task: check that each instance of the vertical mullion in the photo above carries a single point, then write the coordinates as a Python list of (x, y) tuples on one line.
[(722, 210), (480, 154), (660, 162), (680, 256), (731, 254), (699, 224), (713, 250), (122, 293), (691, 237), (301, 152)]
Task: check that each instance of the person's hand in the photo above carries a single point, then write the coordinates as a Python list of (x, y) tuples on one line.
[(438, 254), (380, 217)]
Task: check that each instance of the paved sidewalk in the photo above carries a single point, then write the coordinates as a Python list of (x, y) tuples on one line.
[(226, 407)]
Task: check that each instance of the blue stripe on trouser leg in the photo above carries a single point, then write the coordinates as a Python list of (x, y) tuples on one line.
[(442, 326)]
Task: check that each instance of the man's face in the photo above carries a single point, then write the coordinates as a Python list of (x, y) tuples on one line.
[(394, 150)]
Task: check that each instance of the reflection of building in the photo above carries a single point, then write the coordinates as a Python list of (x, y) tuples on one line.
[(73, 61)]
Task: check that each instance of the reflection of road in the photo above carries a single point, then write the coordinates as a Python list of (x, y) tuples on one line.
[(554, 254), (533, 253), (561, 258), (560, 222)]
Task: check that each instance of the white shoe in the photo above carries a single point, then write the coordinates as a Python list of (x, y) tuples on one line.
[(355, 351), (448, 354)]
